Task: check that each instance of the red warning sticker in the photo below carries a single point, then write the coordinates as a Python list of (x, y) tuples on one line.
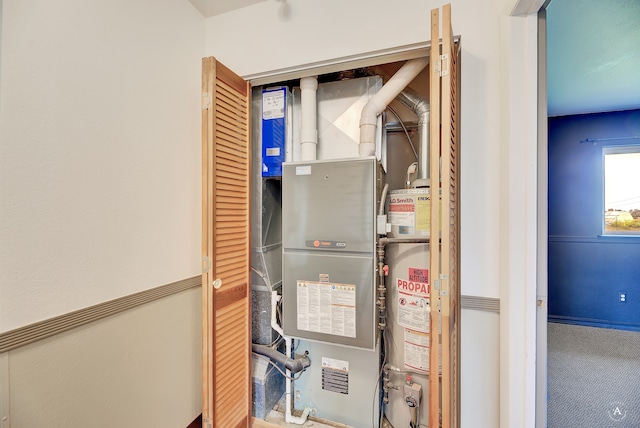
[(419, 275), (413, 287)]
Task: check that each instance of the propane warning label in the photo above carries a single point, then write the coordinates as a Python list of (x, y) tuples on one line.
[(413, 301), (413, 311), (416, 350), (325, 307), (413, 286), (419, 275)]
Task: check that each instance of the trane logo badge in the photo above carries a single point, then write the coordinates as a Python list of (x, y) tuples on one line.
[(319, 243), (413, 287)]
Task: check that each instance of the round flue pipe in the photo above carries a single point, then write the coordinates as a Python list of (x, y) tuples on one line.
[(309, 118), (380, 101), (420, 107)]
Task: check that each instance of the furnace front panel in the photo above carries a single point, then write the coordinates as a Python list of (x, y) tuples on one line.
[(329, 242)]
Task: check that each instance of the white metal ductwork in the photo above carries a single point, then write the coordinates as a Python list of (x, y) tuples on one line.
[(381, 100), (309, 118)]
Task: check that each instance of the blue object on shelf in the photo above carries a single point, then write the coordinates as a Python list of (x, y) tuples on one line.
[(274, 130)]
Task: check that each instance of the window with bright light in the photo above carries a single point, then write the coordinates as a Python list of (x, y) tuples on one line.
[(621, 190)]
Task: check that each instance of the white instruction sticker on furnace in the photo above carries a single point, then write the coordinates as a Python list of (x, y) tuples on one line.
[(413, 304), (325, 307), (416, 350), (273, 105), (335, 375), (303, 170)]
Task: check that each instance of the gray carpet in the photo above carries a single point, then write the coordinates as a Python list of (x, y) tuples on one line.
[(593, 377)]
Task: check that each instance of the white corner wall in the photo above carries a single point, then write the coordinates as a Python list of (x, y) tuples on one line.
[(99, 152), (100, 197), (498, 126)]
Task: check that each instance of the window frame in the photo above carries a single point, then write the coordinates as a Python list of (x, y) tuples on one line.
[(615, 150)]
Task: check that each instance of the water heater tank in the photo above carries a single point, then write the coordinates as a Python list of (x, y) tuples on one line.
[(408, 328)]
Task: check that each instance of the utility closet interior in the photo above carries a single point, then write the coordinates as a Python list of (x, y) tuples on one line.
[(355, 305)]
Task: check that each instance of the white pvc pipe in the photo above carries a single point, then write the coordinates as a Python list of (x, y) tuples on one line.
[(308, 119), (275, 298), (380, 101), (288, 417)]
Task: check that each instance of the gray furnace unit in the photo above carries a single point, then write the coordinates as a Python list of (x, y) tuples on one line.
[(329, 293)]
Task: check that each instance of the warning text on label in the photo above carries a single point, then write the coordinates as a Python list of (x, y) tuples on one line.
[(413, 287)]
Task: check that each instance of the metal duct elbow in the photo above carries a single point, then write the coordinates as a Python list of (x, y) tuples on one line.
[(415, 102), (420, 107), (380, 101)]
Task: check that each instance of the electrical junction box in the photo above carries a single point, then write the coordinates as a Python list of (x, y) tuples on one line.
[(275, 130)]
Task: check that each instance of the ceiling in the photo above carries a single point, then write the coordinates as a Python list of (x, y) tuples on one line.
[(218, 7), (593, 56), (593, 52)]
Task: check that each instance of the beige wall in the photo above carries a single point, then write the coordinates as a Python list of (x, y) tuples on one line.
[(100, 198), (140, 368), (100, 152)]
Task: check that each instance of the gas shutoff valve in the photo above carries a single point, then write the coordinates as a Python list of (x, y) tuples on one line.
[(412, 395), (412, 391)]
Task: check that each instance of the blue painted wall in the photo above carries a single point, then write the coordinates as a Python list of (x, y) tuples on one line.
[(587, 270)]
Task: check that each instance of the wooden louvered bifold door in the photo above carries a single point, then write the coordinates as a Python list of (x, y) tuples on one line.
[(226, 295), (444, 391), (450, 297), (434, 244)]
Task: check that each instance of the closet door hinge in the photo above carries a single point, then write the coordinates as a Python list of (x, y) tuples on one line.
[(206, 264), (206, 101), (444, 284), (442, 66)]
